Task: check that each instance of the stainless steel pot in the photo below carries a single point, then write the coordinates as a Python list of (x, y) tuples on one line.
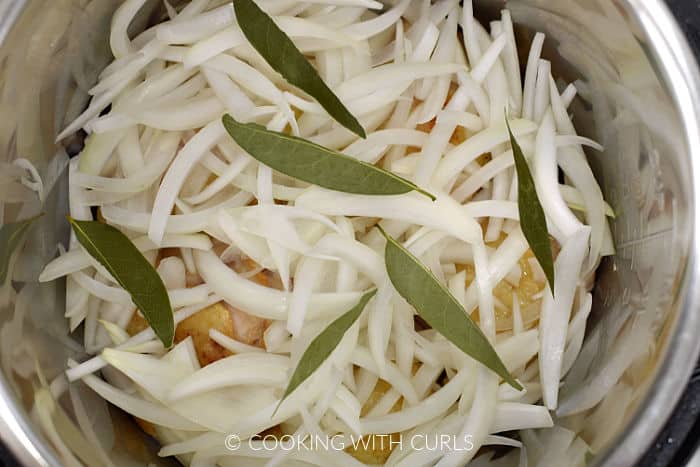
[(641, 99)]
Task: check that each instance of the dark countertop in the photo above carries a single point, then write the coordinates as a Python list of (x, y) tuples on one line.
[(5, 458), (687, 13), (681, 435)]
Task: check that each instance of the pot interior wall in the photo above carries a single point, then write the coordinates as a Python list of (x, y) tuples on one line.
[(53, 51)]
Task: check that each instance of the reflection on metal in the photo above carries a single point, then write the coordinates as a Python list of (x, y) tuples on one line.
[(645, 171)]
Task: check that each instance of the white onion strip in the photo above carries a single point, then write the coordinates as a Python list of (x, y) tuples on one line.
[(554, 319), (176, 175)]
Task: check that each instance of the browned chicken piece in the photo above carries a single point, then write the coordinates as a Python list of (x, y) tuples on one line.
[(247, 328), (198, 325), (526, 292), (459, 136), (375, 449), (381, 388), (193, 279), (272, 432), (147, 427), (168, 252), (221, 316), (136, 324)]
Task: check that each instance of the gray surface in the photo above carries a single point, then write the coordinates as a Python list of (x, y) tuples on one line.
[(687, 13)]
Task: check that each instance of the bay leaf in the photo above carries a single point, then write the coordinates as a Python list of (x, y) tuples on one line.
[(283, 56), (323, 345), (532, 218), (127, 265), (439, 308), (315, 164)]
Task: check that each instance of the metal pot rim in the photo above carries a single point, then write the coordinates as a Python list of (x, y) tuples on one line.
[(679, 67)]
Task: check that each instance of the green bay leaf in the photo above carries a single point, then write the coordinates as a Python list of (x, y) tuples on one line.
[(113, 250), (439, 308), (323, 345), (532, 219), (312, 163), (11, 236), (282, 55)]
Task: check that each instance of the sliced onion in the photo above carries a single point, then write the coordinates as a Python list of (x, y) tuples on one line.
[(556, 309), (263, 301), (243, 369), (484, 141), (149, 411)]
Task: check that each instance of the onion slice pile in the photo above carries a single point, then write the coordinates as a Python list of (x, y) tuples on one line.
[(429, 84)]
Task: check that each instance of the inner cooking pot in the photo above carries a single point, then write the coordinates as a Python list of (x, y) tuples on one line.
[(639, 97)]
